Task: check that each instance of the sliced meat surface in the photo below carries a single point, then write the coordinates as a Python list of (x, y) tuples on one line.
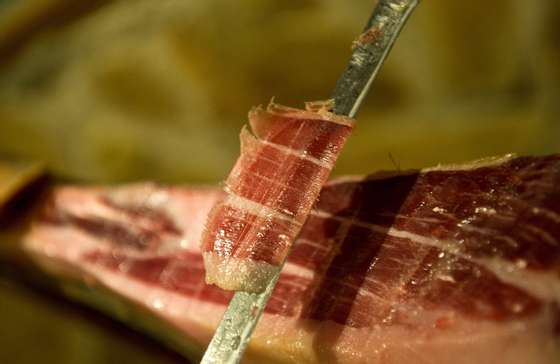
[(445, 265)]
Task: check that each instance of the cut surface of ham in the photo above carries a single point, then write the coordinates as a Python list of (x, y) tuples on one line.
[(270, 191), (445, 265)]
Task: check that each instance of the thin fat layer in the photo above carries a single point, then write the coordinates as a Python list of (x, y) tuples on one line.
[(238, 274)]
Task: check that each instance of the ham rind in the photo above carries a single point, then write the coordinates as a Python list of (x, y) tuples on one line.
[(269, 192), (447, 265)]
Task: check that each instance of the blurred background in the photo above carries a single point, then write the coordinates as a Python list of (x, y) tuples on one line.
[(118, 91)]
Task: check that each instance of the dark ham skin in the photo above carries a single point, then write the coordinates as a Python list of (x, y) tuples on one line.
[(455, 264), (283, 164)]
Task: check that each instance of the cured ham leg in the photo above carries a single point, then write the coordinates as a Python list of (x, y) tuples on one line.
[(446, 265), (269, 192)]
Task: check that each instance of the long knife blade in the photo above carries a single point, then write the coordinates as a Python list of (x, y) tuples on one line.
[(370, 50)]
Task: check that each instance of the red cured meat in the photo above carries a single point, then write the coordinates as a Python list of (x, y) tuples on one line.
[(270, 192), (394, 269)]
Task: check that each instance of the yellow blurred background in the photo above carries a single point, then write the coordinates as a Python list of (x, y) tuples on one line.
[(116, 91), (127, 90)]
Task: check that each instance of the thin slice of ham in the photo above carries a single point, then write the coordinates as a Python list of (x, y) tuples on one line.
[(269, 192), (447, 265)]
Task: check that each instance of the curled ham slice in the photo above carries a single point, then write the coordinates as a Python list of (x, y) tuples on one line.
[(283, 164)]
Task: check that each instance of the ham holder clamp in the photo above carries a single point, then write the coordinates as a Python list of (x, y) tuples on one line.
[(369, 52)]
